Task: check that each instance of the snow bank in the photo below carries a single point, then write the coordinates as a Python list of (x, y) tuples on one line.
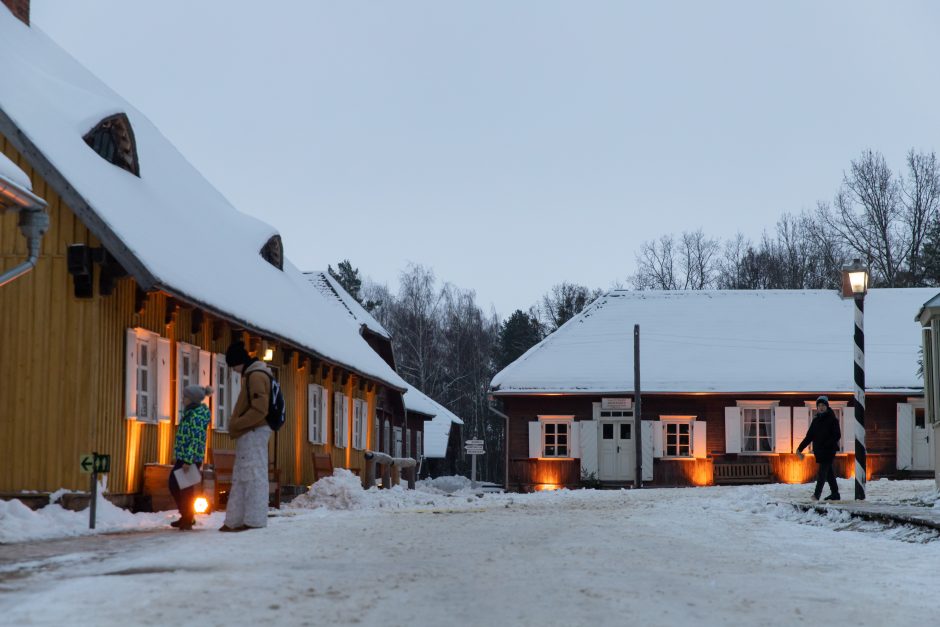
[(19, 523), (446, 485)]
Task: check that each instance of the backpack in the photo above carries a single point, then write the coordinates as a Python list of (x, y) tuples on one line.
[(276, 413)]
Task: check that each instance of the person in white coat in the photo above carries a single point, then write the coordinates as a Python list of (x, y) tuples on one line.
[(248, 499)]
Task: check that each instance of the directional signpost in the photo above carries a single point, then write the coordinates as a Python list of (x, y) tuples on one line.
[(93, 463), (474, 448)]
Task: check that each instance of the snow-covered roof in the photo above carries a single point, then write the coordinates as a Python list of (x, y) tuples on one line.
[(436, 430), (11, 172), (436, 435), (725, 341), (170, 227), (933, 303), (334, 291), (419, 402)]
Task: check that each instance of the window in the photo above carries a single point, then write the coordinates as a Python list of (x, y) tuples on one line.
[(920, 418), (678, 440), (757, 429), (273, 252), (316, 414), (838, 408), (192, 368), (397, 451), (407, 442), (147, 395), (340, 420), (419, 445), (113, 140), (375, 434), (387, 438), (226, 386), (608, 413), (555, 438), (360, 420)]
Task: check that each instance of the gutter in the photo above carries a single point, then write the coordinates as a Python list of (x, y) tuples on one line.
[(33, 223), (505, 446)]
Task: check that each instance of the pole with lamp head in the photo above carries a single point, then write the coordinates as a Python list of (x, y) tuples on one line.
[(855, 286)]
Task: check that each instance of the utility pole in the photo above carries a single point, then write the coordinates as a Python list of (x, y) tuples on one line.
[(637, 409)]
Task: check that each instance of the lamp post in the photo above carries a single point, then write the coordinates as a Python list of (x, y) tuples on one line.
[(855, 286)]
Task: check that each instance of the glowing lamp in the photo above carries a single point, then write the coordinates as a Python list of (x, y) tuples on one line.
[(201, 505), (268, 354), (854, 280)]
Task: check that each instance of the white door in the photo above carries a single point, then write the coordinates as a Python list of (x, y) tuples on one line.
[(616, 451), (920, 440)]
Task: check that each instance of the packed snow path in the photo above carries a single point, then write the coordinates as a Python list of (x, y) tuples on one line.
[(709, 556)]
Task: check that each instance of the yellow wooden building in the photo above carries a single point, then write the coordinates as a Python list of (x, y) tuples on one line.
[(145, 275)]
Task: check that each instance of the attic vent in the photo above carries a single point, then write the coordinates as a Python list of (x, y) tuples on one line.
[(273, 252), (113, 140)]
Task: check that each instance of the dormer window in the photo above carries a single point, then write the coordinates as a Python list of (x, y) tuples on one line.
[(273, 252), (113, 140)]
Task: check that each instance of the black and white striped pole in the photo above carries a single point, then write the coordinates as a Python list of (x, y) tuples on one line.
[(855, 284)]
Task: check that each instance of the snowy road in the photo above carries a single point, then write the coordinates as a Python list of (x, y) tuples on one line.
[(710, 556)]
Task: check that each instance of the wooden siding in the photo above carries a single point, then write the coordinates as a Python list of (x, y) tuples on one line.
[(881, 433), (62, 371)]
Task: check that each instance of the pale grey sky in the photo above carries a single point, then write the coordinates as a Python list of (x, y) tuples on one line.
[(514, 145)]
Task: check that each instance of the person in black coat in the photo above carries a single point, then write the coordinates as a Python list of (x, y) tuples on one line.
[(824, 434)]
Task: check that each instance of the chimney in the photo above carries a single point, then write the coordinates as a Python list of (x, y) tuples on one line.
[(19, 8)]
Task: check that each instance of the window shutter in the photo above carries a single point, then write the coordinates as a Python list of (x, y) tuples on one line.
[(699, 442), (130, 374), (164, 399), (535, 439), (313, 407), (782, 442), (179, 379), (732, 429), (800, 425), (345, 420), (646, 432), (905, 443), (574, 436), (205, 368), (588, 439), (658, 448), (324, 406), (235, 389), (214, 400), (848, 430)]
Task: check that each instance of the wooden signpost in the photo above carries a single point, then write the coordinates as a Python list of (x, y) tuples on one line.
[(474, 448)]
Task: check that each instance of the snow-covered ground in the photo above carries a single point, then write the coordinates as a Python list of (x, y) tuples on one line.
[(443, 555)]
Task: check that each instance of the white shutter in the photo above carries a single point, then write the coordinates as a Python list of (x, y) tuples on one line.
[(130, 374), (164, 400), (313, 407), (574, 444), (324, 406), (782, 442), (235, 390), (345, 420), (646, 429), (732, 429), (699, 443), (214, 399), (205, 368), (658, 445), (535, 439), (588, 443), (848, 430), (905, 440), (800, 425)]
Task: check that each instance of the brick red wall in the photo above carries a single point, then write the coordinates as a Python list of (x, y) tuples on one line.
[(19, 8)]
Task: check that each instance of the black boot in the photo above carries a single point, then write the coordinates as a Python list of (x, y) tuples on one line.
[(834, 497)]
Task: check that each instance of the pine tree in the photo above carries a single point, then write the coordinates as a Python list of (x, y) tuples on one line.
[(931, 253), (349, 278), (517, 334)]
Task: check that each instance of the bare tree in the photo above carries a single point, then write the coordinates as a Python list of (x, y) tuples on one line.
[(920, 196), (656, 267), (697, 259), (562, 303)]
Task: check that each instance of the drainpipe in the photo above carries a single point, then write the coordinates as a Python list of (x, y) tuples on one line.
[(505, 446), (33, 223)]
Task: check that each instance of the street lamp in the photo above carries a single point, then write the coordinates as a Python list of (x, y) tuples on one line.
[(855, 286)]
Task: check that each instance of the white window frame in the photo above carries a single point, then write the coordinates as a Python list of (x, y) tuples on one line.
[(568, 423), (675, 421), (397, 433), (185, 377), (225, 389), (340, 420), (770, 406), (360, 420), (316, 413), (407, 442), (387, 438), (838, 408), (155, 400), (375, 431)]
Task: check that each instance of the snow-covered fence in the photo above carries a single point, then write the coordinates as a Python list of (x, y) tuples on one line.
[(405, 464)]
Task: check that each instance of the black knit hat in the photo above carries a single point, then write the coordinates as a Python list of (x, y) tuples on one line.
[(236, 355), (824, 400)]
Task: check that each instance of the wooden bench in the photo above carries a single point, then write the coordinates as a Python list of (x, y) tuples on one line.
[(322, 466), (224, 462), (741, 473)]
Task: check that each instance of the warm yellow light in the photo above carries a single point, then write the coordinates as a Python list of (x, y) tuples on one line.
[(859, 281), (547, 487), (268, 354), (201, 505)]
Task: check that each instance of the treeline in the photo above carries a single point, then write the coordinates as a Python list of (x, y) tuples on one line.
[(890, 220)]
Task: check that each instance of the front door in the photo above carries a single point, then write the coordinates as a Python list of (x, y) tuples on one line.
[(922, 453), (616, 451)]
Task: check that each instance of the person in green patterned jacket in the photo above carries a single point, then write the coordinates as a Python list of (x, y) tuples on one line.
[(189, 448)]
